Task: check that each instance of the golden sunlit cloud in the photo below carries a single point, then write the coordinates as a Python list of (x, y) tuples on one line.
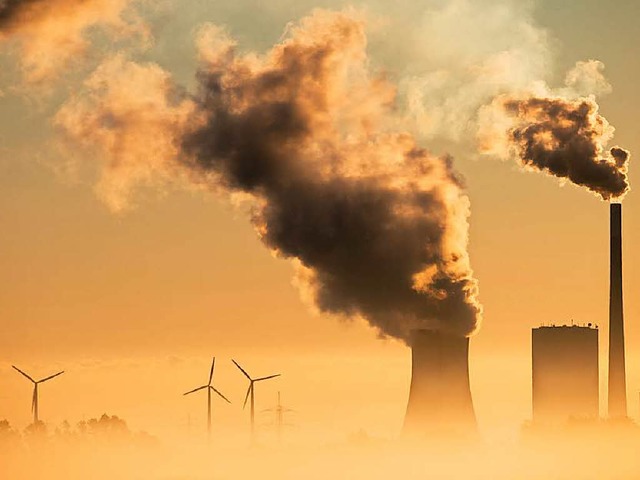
[(135, 116), (52, 34)]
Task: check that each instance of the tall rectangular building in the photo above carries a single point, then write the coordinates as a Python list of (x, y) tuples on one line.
[(565, 373)]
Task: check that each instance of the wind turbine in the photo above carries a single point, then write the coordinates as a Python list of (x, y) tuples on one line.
[(34, 401), (209, 388), (250, 390)]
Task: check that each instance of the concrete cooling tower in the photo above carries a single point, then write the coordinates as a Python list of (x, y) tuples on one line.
[(440, 402)]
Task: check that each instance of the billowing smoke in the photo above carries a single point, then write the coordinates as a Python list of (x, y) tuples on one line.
[(52, 33), (450, 76), (564, 136), (135, 116), (377, 226)]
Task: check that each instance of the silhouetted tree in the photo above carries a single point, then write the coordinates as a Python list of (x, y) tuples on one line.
[(110, 427), (5, 427), (35, 434), (38, 428), (7, 434)]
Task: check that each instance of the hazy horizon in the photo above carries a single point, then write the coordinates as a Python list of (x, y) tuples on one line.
[(130, 283)]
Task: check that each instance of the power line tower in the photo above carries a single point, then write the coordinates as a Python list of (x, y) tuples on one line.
[(279, 412)]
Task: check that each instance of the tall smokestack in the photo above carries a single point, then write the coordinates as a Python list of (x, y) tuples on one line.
[(617, 375), (440, 397)]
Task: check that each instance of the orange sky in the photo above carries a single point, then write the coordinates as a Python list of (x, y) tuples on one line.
[(133, 305)]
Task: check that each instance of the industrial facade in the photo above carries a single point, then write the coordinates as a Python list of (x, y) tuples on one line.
[(565, 373)]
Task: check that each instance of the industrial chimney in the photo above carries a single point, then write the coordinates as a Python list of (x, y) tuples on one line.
[(617, 375), (440, 401)]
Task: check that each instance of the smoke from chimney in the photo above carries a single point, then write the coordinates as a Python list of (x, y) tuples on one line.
[(377, 226), (564, 138), (559, 132)]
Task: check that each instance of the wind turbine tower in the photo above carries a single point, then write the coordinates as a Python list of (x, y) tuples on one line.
[(251, 391), (34, 399), (210, 388)]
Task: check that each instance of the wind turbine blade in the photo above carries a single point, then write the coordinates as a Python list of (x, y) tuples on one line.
[(50, 377), (196, 389), (247, 396), (241, 369), (16, 368), (228, 401), (267, 378), (213, 363), (33, 400)]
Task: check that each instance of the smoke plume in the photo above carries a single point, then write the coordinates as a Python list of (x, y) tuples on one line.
[(450, 76), (134, 115), (377, 226), (52, 33), (564, 136)]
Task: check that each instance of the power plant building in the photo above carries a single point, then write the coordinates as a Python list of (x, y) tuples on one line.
[(565, 374)]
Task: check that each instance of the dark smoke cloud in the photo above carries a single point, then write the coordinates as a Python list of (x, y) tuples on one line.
[(52, 33), (567, 139), (13, 13), (9, 10), (377, 226), (18, 14)]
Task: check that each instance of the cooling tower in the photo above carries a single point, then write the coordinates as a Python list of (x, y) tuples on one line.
[(440, 397), (617, 380), (565, 374)]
